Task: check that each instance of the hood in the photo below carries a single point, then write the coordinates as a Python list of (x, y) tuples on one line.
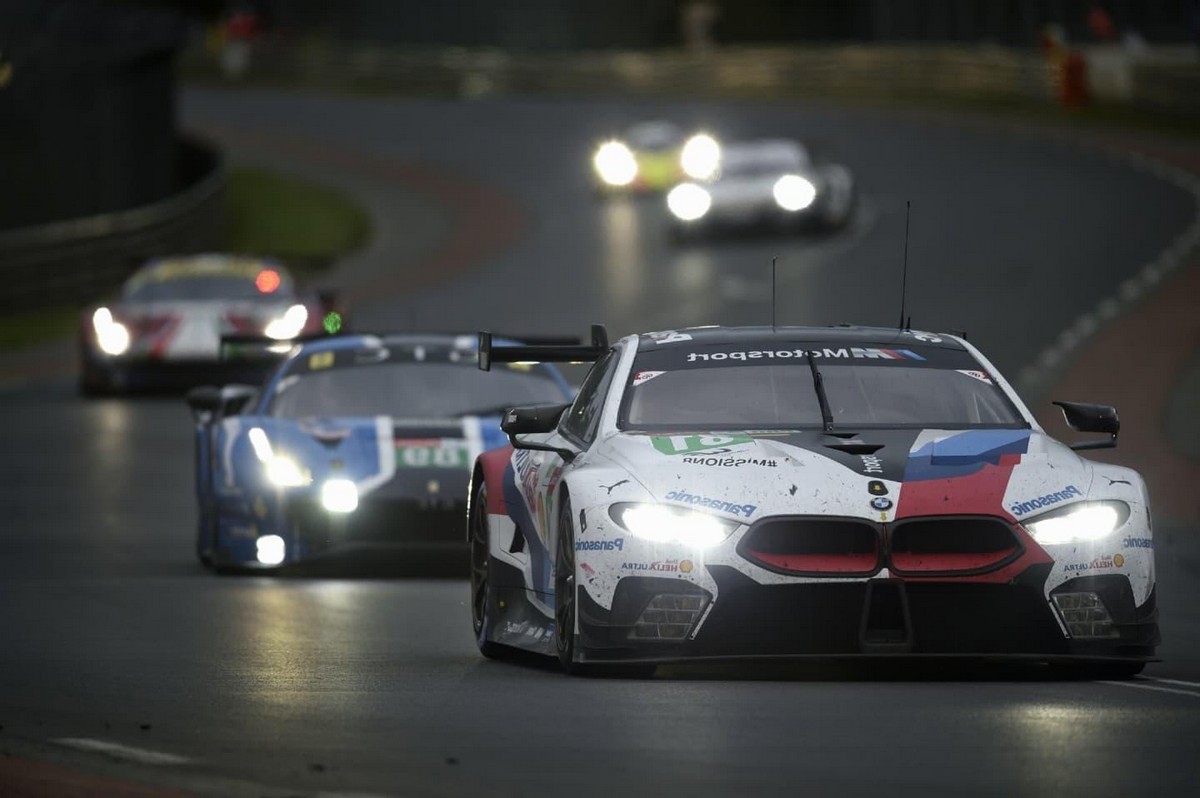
[(880, 475)]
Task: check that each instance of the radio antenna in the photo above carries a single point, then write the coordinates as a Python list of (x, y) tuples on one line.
[(904, 278), (773, 292)]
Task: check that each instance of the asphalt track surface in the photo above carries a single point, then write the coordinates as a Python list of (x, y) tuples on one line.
[(367, 680)]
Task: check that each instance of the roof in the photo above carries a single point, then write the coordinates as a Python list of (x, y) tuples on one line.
[(847, 334)]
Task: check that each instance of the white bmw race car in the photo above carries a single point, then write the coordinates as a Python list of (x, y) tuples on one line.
[(763, 185), (839, 492)]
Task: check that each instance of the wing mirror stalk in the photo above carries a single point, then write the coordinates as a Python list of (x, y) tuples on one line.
[(1086, 417), (535, 419)]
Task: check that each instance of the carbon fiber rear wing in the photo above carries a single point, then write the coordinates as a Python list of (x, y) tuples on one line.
[(544, 353)]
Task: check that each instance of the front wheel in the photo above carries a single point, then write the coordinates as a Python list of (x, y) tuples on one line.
[(481, 573), (564, 589)]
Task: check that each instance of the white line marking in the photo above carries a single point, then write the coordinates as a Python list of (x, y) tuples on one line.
[(128, 752), (1137, 686), (1174, 681)]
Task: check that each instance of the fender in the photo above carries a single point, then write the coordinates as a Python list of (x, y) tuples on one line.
[(493, 465)]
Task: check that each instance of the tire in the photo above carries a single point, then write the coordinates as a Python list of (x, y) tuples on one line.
[(564, 589), (481, 576)]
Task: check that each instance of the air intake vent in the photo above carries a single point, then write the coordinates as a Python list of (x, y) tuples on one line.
[(951, 546), (808, 546)]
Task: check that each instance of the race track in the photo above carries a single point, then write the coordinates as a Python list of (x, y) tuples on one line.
[(369, 683)]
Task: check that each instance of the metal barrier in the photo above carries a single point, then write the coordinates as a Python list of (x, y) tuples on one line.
[(811, 70), (78, 260)]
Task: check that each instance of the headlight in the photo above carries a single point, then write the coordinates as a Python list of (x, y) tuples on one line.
[(339, 496), (794, 193), (615, 164), (689, 202), (666, 524), (111, 335), (289, 325), (1080, 522), (270, 549), (700, 157), (284, 472)]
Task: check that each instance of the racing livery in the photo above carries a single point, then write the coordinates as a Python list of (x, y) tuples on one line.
[(354, 441), (763, 185), (748, 492), (165, 329)]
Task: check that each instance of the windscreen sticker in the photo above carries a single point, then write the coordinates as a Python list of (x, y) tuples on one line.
[(668, 337), (320, 360), (795, 353), (690, 444), (976, 375), (645, 376)]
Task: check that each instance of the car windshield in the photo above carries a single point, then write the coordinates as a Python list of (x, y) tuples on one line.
[(867, 387), (755, 163), (412, 390), (239, 289)]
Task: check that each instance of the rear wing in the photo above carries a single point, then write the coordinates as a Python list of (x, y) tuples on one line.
[(542, 353)]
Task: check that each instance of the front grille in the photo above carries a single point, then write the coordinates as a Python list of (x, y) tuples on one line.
[(808, 546), (951, 546)]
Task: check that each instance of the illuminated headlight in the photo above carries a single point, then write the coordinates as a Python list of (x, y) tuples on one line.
[(289, 325), (283, 472), (794, 193), (270, 549), (1078, 523), (339, 496), (663, 523), (615, 164), (111, 335), (700, 157), (689, 202)]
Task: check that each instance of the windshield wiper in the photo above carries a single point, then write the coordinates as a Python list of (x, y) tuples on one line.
[(819, 386)]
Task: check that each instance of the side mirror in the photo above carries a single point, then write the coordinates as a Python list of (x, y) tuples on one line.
[(1085, 417), (204, 401), (538, 418), (235, 397)]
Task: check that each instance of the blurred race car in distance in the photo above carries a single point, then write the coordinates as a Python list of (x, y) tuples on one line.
[(763, 185), (806, 491), (164, 328), (354, 441), (653, 156)]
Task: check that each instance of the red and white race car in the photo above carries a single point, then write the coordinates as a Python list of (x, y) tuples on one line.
[(165, 327)]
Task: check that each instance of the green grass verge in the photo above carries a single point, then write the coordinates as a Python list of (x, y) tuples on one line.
[(307, 226)]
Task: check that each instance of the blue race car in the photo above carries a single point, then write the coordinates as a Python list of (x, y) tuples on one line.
[(353, 441)]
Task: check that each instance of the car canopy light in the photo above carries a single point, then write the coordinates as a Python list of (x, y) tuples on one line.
[(664, 523), (1081, 522), (669, 616), (1085, 615)]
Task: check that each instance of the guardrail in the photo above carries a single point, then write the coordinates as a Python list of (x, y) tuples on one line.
[(78, 260), (845, 70)]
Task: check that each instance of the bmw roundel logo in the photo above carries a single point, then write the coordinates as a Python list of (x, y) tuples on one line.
[(881, 503)]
